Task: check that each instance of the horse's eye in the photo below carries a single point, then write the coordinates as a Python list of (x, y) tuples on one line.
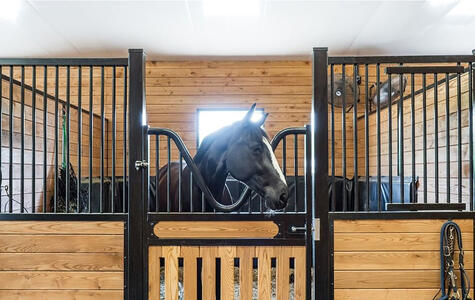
[(257, 150)]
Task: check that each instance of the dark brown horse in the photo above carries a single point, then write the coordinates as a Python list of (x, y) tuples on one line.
[(242, 150)]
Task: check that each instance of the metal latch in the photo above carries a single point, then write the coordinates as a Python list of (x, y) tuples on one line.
[(141, 164), (296, 228)]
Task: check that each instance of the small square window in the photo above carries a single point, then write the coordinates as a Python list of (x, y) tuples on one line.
[(213, 119)]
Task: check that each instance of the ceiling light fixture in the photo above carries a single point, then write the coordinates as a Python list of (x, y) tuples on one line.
[(9, 9), (231, 8)]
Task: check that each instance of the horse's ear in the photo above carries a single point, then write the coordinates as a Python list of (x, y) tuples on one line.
[(263, 119), (249, 114)]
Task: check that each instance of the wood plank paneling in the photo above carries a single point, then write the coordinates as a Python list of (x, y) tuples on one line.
[(245, 254), (47, 280), (154, 254), (61, 243), (208, 274), (64, 227), (391, 258), (61, 295), (215, 229), (171, 253), (227, 255), (190, 269), (61, 260)]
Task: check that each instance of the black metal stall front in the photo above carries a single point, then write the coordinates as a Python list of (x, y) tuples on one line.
[(409, 177)]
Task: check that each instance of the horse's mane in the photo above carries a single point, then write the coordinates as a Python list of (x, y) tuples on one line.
[(252, 129)]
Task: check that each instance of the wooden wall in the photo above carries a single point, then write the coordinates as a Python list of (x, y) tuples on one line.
[(175, 90), (61, 260), (39, 150), (418, 138), (392, 259)]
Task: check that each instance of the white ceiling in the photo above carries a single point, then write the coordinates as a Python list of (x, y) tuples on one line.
[(239, 28)]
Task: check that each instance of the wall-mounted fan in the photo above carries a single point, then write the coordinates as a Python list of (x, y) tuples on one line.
[(397, 89), (343, 87)]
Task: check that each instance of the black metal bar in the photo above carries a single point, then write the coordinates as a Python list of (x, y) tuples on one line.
[(191, 192), (320, 171), (425, 206), (68, 117), (138, 179), (45, 137), (355, 137), (296, 169), (284, 156), (113, 137), (157, 169), (378, 135), (402, 215), (343, 134), (101, 190), (425, 70), (332, 107), (459, 134), (424, 134), (168, 173), (390, 140), (413, 135), (64, 61), (366, 122), (436, 139), (22, 143), (400, 59), (33, 142), (180, 171), (78, 197), (62, 217), (470, 130), (309, 238), (401, 142), (447, 134), (124, 134), (10, 144), (91, 133), (56, 138)]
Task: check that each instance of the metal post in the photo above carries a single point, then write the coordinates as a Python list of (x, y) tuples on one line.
[(320, 171), (135, 280)]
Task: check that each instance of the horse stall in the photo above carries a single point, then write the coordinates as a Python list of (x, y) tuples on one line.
[(400, 137), (63, 231), (109, 192)]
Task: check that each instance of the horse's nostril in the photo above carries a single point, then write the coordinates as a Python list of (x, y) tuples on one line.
[(283, 197)]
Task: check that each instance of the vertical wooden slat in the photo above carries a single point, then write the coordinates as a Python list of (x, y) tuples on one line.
[(245, 255), (283, 273), (264, 255), (298, 252), (171, 253), (154, 254), (190, 254), (227, 255), (208, 273)]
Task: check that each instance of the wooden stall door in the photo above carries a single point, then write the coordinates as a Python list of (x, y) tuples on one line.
[(226, 272)]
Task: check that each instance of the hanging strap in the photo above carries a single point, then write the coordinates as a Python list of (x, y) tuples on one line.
[(447, 268)]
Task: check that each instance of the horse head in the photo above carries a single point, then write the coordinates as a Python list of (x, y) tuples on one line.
[(250, 159)]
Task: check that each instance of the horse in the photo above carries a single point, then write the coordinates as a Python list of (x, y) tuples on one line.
[(242, 150)]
